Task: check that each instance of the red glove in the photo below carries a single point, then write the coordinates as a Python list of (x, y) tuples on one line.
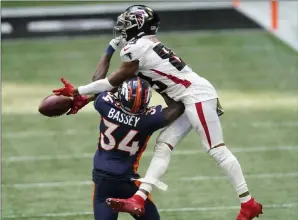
[(67, 90), (78, 102)]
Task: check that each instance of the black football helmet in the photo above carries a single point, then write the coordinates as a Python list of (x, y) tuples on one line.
[(136, 20), (134, 95)]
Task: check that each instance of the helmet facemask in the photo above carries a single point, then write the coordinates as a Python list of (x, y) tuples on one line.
[(124, 24)]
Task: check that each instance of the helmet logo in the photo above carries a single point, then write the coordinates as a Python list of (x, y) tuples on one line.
[(124, 91), (140, 18)]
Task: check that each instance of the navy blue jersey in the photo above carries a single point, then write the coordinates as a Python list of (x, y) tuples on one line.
[(123, 137)]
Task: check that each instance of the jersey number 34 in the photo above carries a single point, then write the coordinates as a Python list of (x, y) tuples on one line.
[(123, 144)]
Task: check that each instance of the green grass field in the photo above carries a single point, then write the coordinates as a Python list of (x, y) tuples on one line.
[(46, 163)]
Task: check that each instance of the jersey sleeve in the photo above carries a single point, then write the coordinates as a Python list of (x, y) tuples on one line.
[(156, 118), (134, 51), (100, 101)]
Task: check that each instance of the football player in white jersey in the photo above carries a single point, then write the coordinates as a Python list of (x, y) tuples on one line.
[(145, 56)]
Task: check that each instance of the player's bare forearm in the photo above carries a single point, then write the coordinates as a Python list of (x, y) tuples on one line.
[(102, 67), (173, 111), (125, 71)]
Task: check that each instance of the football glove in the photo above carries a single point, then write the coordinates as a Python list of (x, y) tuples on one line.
[(67, 90), (78, 102), (118, 43)]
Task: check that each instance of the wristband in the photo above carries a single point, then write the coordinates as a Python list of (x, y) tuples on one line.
[(110, 50)]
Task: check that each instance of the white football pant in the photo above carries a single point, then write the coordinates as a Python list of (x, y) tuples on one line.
[(202, 117)]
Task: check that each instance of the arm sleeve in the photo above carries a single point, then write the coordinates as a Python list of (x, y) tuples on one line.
[(95, 87), (156, 118)]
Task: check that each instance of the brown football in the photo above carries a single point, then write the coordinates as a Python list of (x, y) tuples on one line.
[(54, 105)]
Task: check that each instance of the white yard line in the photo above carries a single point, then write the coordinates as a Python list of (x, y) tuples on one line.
[(74, 132), (247, 149), (48, 184), (270, 124), (188, 179), (252, 176), (182, 209), (44, 133)]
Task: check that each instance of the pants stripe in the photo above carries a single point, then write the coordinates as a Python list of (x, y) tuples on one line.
[(93, 195), (200, 112)]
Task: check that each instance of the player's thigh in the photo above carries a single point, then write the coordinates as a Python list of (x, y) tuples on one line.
[(204, 119), (100, 209), (176, 131)]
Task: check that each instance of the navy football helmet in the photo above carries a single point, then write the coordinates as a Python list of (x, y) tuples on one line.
[(134, 95), (136, 20)]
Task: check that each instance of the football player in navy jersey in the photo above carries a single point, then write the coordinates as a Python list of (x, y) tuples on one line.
[(126, 124)]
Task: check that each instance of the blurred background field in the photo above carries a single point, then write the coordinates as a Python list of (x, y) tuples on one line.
[(47, 162)]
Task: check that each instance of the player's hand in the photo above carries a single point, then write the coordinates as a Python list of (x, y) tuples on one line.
[(118, 43), (78, 102), (67, 90)]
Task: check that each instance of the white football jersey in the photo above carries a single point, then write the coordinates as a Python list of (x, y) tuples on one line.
[(166, 72)]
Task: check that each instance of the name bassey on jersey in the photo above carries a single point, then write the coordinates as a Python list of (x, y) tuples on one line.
[(166, 71), (123, 118), (123, 138)]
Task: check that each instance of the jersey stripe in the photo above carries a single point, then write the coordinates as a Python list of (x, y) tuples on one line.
[(138, 100), (175, 79), (93, 194), (201, 115), (137, 162)]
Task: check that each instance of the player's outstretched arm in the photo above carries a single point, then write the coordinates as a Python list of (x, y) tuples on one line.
[(173, 111), (125, 71), (104, 63)]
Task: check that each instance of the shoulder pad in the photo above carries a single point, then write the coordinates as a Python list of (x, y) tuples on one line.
[(134, 50)]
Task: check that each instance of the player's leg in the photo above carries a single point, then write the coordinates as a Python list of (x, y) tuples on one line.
[(100, 209), (165, 142), (204, 119)]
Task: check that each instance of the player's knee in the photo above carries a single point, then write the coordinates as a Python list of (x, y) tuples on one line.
[(163, 137), (162, 149), (222, 155)]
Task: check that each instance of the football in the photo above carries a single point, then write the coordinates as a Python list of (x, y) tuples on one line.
[(54, 105)]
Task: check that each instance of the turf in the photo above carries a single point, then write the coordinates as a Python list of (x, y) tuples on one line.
[(256, 77)]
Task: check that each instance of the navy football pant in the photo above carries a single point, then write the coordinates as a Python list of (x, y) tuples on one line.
[(104, 189)]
